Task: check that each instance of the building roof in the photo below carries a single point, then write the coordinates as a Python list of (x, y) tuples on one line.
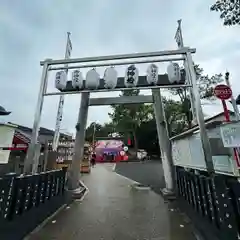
[(218, 115), (42, 131), (209, 123)]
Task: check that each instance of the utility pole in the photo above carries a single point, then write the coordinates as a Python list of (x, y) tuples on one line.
[(93, 137), (233, 101), (61, 99)]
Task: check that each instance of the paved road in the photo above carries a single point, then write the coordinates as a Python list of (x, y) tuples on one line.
[(149, 173), (114, 210)]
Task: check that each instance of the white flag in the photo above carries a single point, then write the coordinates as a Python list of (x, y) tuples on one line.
[(61, 100), (178, 36), (68, 48)]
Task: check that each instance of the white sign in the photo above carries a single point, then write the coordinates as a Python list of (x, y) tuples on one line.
[(230, 134), (6, 139)]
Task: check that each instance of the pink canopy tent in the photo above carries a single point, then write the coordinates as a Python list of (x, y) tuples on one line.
[(108, 146)]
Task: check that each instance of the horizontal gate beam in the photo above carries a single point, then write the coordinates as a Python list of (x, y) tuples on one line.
[(119, 57), (121, 100)]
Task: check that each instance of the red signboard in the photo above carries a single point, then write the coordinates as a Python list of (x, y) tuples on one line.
[(222, 92)]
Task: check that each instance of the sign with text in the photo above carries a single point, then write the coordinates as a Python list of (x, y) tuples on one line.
[(222, 92), (230, 134)]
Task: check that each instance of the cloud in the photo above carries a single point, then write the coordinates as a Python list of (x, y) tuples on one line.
[(33, 31)]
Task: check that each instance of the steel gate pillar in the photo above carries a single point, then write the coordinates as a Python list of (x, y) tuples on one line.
[(74, 171)]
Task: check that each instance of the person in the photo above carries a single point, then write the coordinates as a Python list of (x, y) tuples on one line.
[(93, 159)]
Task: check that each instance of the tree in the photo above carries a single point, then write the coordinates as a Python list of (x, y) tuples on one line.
[(147, 130), (90, 131), (175, 117), (229, 11), (139, 120), (128, 117), (98, 130), (147, 137), (206, 86)]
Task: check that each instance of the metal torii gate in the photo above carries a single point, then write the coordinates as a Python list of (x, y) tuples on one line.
[(164, 142)]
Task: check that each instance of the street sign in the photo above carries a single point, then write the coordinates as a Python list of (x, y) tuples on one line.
[(222, 92), (230, 134)]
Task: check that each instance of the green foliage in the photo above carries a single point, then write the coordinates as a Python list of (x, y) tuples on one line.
[(128, 117), (175, 116), (206, 86), (147, 137), (98, 130), (229, 11), (138, 121)]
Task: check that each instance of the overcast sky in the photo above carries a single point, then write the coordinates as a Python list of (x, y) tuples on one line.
[(34, 30)]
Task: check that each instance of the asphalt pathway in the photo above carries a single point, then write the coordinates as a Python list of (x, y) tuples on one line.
[(149, 173), (114, 210)]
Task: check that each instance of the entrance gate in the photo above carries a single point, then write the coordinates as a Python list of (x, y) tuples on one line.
[(110, 82)]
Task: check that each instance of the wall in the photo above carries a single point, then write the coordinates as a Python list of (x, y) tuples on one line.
[(188, 152)]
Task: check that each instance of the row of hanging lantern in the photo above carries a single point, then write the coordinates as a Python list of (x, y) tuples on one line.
[(110, 77)]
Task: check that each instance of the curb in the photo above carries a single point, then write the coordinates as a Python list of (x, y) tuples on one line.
[(168, 196), (141, 188), (85, 191), (129, 179)]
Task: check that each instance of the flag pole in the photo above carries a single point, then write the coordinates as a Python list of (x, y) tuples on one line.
[(179, 39), (61, 99)]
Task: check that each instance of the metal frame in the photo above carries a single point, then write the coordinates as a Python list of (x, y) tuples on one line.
[(116, 89), (28, 163), (199, 114), (119, 57), (117, 63), (83, 111), (121, 100)]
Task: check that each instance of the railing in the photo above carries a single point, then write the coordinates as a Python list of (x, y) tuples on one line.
[(27, 201), (212, 203)]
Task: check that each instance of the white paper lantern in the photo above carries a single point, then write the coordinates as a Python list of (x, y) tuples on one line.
[(174, 74), (92, 79), (125, 148), (77, 79), (131, 76), (152, 74), (110, 78), (61, 80)]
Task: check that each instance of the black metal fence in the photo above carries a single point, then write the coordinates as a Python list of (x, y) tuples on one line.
[(27, 201), (212, 203)]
